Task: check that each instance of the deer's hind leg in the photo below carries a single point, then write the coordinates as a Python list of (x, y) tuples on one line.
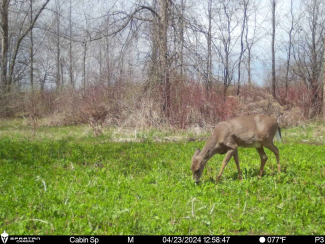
[(263, 157), (275, 150), (236, 158)]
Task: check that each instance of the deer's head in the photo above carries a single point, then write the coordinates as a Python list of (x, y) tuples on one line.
[(197, 165)]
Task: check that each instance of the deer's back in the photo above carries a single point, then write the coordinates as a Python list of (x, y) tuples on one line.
[(248, 131)]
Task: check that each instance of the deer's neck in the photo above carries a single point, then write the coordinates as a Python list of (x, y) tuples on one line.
[(207, 151)]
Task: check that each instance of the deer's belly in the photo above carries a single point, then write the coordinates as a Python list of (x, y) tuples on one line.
[(248, 144)]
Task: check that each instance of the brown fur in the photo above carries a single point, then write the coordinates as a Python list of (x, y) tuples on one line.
[(248, 131)]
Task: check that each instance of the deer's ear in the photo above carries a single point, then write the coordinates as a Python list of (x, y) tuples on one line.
[(197, 151)]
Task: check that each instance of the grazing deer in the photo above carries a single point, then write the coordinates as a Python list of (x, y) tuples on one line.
[(248, 131)]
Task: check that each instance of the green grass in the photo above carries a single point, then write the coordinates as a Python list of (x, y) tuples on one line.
[(65, 181)]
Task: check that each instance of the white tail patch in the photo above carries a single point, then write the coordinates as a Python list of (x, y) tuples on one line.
[(277, 134)]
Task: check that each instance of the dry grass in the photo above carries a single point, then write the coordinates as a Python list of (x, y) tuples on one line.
[(311, 132), (130, 107)]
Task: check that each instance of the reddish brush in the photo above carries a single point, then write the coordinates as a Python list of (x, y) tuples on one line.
[(193, 104), (136, 105)]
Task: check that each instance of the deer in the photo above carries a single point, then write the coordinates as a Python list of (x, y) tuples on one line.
[(247, 131)]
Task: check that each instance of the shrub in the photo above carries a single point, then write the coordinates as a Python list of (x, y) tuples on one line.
[(134, 105)]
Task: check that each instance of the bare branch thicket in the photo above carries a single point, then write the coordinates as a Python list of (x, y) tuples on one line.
[(227, 23), (253, 34), (181, 51), (8, 66), (308, 52)]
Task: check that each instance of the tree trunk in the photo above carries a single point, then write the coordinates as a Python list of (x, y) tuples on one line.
[(249, 66), (316, 102), (323, 77), (31, 49), (242, 45), (226, 72), (209, 39), (164, 55), (17, 46), (70, 48), (100, 62), (273, 48), (84, 65), (4, 43), (315, 75), (182, 39), (289, 50), (108, 67), (154, 69), (58, 52)]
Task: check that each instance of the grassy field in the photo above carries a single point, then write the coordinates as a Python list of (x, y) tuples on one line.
[(65, 181)]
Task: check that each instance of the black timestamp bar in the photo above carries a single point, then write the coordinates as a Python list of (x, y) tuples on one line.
[(164, 239)]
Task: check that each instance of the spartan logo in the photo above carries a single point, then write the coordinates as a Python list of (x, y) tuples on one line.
[(4, 237)]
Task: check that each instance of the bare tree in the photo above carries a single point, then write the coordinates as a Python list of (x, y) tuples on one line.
[(58, 45), (182, 30), (308, 52), (84, 77), (4, 41), (242, 49), (273, 3), (7, 78), (163, 49), (31, 49), (227, 23), (253, 34), (322, 80), (290, 33), (209, 39), (72, 83)]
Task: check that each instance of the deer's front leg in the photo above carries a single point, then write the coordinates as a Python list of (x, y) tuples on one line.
[(229, 154), (236, 158)]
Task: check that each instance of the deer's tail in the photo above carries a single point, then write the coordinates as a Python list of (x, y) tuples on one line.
[(278, 134)]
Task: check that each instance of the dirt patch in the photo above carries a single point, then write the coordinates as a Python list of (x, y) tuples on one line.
[(162, 139)]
